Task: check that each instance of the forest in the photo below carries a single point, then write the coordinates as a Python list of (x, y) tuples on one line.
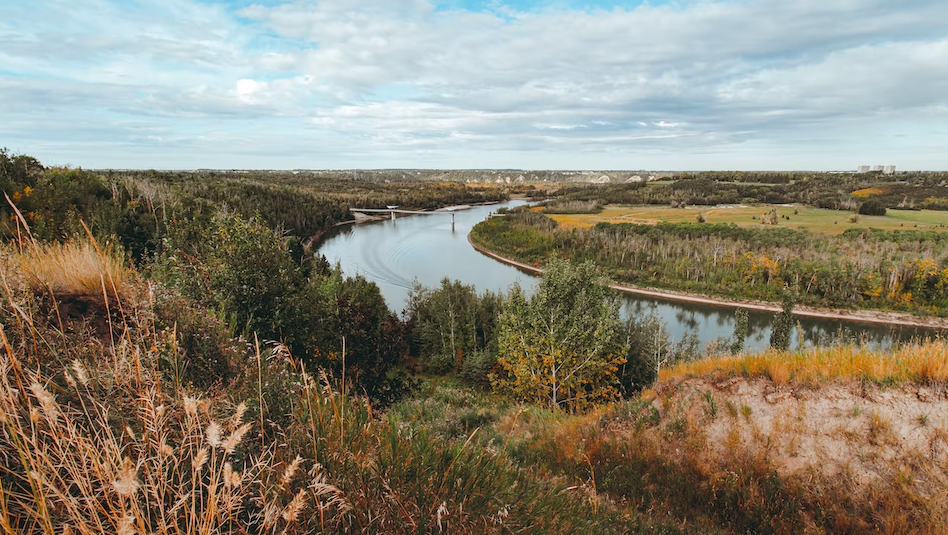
[(837, 191), (869, 268)]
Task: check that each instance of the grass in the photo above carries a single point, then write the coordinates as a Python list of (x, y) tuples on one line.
[(98, 435), (76, 268), (817, 220), (913, 363)]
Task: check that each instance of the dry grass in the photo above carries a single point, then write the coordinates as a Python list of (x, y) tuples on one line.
[(801, 217), (172, 470), (75, 268), (96, 436), (922, 363)]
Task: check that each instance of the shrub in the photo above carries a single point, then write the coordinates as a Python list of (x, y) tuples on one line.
[(872, 207), (202, 353), (477, 367)]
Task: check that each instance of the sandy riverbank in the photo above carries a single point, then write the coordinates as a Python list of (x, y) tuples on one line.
[(861, 316)]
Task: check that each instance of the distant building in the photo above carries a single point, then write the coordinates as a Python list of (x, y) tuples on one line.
[(863, 169), (888, 170), (877, 168)]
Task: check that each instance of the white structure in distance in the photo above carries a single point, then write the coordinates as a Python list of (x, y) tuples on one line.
[(885, 169)]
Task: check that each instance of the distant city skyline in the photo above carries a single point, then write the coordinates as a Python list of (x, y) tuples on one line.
[(346, 84)]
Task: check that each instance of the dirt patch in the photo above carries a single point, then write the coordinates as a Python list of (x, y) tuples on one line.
[(849, 428)]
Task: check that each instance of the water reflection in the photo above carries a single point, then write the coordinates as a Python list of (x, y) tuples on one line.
[(426, 248)]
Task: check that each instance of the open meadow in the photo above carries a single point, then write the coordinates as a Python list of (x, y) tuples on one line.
[(799, 217)]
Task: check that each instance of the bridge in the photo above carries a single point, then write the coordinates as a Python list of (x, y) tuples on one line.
[(394, 211)]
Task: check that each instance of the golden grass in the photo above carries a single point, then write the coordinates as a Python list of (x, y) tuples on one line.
[(925, 362), (72, 470), (75, 268), (801, 217)]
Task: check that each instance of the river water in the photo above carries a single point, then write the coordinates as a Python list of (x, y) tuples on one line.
[(425, 248)]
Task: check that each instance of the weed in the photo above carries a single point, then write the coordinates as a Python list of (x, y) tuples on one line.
[(731, 408), (880, 428), (711, 408)]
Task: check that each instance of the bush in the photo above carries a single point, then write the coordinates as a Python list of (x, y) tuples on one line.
[(477, 367), (872, 207), (203, 354)]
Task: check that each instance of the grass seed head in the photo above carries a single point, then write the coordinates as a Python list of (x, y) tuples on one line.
[(292, 511), (190, 406), (126, 482), (200, 459), (234, 439), (80, 372), (290, 471), (213, 434)]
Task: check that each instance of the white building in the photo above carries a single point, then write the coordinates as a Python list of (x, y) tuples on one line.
[(888, 170), (863, 169), (877, 168)]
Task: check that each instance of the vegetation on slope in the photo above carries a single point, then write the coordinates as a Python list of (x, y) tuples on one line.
[(101, 433)]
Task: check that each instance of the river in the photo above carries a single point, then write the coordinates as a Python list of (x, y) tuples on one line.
[(425, 248)]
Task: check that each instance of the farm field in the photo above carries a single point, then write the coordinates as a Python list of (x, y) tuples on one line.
[(818, 220)]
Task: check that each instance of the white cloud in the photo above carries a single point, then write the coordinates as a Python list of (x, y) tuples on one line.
[(385, 77)]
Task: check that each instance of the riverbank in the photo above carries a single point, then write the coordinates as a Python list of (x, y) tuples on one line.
[(878, 317)]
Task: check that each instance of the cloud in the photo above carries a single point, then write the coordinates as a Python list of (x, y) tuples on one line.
[(663, 85)]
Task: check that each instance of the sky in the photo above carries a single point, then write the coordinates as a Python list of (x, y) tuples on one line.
[(679, 85)]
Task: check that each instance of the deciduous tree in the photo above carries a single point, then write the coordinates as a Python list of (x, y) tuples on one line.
[(563, 345)]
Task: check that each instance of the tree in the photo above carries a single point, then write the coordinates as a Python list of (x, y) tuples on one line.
[(872, 207), (451, 321), (648, 349), (740, 331), (354, 310), (783, 324), (443, 322), (562, 346)]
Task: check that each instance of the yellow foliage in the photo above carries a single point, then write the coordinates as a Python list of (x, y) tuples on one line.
[(869, 192)]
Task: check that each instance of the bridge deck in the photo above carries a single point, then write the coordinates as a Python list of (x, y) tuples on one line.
[(387, 211)]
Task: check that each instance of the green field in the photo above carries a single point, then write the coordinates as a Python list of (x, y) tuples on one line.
[(818, 220)]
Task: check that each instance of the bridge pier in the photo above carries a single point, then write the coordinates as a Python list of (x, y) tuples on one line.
[(393, 211)]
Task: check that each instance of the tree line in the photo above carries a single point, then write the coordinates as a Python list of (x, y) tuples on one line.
[(894, 270)]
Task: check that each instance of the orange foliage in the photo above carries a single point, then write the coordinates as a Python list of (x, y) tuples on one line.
[(869, 192)]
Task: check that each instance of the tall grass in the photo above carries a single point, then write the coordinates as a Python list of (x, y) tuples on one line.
[(75, 268), (98, 436), (925, 362)]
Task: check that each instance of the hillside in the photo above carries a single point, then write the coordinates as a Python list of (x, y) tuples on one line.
[(105, 427)]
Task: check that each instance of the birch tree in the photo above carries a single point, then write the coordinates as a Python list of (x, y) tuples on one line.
[(563, 345)]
